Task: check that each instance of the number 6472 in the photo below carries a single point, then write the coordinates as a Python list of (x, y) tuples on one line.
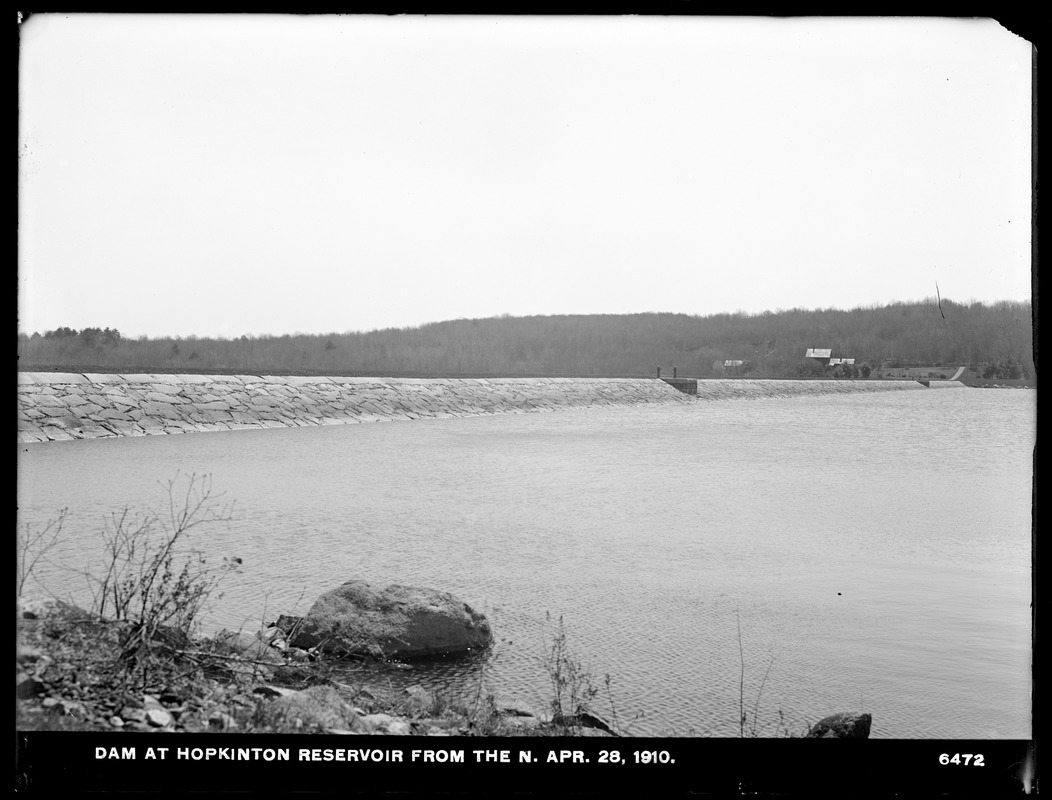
[(967, 759)]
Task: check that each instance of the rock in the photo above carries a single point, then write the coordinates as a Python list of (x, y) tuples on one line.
[(507, 705), (842, 726), (521, 723), (587, 719), (27, 685), (173, 637), (399, 622), (28, 655), (255, 652), (44, 607), (160, 717), (236, 641), (129, 714), (419, 700), (273, 691), (155, 714), (272, 635), (386, 724), (288, 624), (69, 708), (220, 720), (400, 727), (247, 646), (593, 732), (320, 706), (435, 727)]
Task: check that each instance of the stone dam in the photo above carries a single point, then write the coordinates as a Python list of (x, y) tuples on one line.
[(55, 406)]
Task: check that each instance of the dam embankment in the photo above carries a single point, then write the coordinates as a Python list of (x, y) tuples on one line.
[(61, 406)]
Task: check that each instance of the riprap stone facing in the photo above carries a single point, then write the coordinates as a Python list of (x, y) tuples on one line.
[(63, 406)]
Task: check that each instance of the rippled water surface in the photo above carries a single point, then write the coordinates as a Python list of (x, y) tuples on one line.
[(873, 549)]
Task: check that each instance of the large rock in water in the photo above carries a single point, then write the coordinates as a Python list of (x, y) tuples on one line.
[(397, 622), (842, 726)]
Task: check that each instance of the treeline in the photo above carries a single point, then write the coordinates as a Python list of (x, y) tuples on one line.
[(88, 337), (990, 338)]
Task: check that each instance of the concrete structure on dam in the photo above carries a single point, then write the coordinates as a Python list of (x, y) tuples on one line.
[(60, 406)]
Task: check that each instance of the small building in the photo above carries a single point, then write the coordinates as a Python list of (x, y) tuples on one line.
[(821, 355), (730, 366)]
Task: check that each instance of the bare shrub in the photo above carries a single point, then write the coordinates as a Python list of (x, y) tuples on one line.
[(750, 727), (151, 578), (572, 684), (33, 547)]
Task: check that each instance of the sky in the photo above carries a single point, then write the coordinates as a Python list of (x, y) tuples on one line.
[(222, 175)]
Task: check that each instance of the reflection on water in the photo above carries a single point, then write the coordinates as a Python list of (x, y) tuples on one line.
[(875, 548)]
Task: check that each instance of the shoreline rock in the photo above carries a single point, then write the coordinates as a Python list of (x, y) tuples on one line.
[(842, 726), (399, 622)]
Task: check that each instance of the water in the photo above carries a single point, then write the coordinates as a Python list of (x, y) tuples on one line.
[(873, 550)]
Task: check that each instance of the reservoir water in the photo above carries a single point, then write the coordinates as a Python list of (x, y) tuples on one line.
[(855, 552)]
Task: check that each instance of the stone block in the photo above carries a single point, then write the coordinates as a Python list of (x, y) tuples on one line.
[(103, 378), (58, 378), (160, 411), (124, 427), (56, 434)]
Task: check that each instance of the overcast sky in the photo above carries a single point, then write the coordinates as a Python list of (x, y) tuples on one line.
[(227, 175)]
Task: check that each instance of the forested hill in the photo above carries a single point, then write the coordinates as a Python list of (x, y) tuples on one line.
[(771, 344)]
